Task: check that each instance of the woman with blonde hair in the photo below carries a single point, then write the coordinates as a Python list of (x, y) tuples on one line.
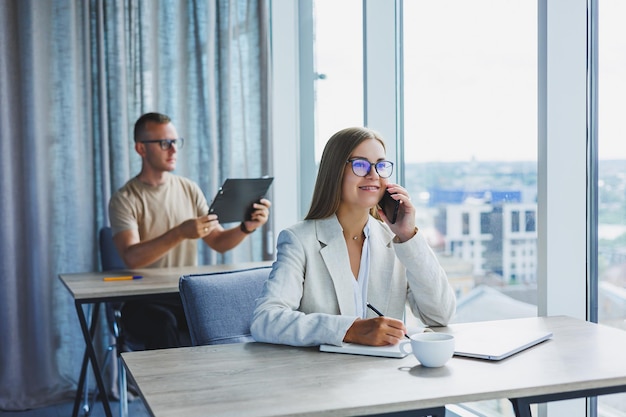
[(347, 254)]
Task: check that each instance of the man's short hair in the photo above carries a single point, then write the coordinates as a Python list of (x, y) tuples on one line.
[(140, 124)]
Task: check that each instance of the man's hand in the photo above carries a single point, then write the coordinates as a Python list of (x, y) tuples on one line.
[(379, 331), (259, 216), (198, 228)]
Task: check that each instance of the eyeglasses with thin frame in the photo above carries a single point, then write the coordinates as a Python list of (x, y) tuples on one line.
[(167, 143), (361, 167)]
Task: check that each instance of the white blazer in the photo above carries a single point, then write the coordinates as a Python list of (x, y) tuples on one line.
[(308, 298)]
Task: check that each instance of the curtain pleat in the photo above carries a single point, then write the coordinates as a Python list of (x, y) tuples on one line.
[(74, 77)]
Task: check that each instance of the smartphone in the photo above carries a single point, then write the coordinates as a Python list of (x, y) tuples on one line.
[(389, 206)]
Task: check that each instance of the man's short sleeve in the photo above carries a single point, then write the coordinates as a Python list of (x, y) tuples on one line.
[(121, 214)]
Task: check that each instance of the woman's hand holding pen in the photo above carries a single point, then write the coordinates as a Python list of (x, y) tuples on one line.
[(379, 331), (404, 227)]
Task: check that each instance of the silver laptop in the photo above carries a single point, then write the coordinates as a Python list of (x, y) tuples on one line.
[(495, 343)]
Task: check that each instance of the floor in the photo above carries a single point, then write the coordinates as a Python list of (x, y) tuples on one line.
[(135, 409)]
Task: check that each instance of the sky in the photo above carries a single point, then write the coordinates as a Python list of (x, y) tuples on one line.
[(470, 77)]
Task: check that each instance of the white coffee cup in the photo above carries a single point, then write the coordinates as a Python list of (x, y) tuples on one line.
[(430, 348)]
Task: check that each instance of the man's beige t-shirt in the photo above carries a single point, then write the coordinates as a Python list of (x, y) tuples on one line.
[(153, 210)]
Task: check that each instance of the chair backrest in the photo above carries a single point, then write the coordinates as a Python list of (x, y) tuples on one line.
[(219, 306), (111, 261), (109, 256)]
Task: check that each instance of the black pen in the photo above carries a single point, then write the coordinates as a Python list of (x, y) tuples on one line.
[(375, 310)]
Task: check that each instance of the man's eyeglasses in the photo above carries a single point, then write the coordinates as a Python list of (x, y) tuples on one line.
[(166, 143), (361, 167)]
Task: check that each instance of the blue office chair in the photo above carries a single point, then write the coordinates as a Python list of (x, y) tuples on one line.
[(111, 261), (219, 305)]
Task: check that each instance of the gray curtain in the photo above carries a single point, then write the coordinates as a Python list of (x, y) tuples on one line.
[(74, 76)]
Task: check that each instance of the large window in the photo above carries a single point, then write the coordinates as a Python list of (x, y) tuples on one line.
[(470, 111), (612, 178)]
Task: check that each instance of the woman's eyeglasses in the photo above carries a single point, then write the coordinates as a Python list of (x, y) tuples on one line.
[(361, 167), (166, 143)]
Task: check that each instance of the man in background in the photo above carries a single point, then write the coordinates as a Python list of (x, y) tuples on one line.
[(157, 218)]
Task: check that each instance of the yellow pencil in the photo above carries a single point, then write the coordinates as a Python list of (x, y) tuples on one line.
[(123, 278)]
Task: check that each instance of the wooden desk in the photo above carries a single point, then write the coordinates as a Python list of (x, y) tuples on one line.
[(256, 379), (89, 288)]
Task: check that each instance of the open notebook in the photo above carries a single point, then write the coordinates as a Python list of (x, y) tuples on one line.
[(384, 351), (356, 349)]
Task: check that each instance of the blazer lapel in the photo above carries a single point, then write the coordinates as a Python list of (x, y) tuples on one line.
[(335, 255)]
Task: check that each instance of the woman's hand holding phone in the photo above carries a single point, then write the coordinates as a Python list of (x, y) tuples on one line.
[(389, 206), (396, 200)]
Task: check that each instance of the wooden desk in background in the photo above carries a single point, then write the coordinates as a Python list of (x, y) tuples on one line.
[(90, 288), (255, 379)]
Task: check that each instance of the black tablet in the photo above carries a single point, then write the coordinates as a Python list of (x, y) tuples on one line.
[(233, 201)]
